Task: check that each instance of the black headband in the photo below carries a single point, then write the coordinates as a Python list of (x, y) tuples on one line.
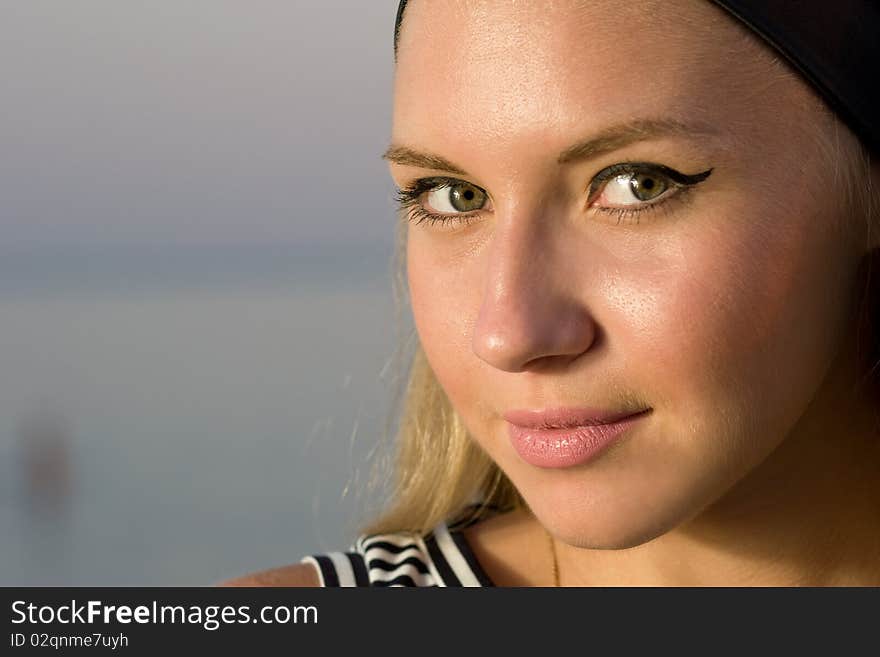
[(835, 46)]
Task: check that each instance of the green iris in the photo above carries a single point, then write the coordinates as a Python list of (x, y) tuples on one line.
[(646, 186), (466, 198)]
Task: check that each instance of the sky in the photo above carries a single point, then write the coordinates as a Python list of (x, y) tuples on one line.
[(195, 122)]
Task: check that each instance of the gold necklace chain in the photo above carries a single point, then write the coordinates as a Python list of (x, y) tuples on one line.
[(555, 561)]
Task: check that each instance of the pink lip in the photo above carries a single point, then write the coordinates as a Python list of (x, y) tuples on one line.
[(565, 437)]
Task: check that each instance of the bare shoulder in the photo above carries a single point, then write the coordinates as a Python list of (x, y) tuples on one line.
[(300, 575)]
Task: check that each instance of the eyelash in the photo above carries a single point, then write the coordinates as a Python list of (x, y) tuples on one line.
[(408, 197), (408, 201)]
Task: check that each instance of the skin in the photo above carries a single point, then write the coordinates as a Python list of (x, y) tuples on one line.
[(728, 311)]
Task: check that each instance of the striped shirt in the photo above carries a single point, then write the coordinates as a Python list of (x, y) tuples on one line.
[(442, 557)]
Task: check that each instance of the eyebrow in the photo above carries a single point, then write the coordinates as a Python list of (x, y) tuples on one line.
[(615, 137), (411, 157), (607, 140)]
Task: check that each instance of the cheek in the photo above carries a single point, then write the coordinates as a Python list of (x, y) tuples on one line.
[(446, 283), (738, 322), (445, 296)]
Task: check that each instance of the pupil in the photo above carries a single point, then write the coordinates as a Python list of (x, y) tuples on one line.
[(647, 183), (469, 195)]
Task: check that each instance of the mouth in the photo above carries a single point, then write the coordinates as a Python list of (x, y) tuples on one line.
[(564, 438)]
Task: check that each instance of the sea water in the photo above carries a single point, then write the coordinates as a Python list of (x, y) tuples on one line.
[(180, 416)]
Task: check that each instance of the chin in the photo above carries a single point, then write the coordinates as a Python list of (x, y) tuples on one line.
[(609, 521), (604, 533)]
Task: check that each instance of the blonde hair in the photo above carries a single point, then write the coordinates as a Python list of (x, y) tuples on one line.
[(438, 471)]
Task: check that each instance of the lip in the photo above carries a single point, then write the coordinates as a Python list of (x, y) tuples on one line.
[(566, 437)]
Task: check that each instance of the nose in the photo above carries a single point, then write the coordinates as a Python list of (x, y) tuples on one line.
[(530, 312)]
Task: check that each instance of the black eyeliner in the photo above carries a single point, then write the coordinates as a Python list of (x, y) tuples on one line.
[(677, 177)]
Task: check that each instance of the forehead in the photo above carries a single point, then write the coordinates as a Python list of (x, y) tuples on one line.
[(545, 69)]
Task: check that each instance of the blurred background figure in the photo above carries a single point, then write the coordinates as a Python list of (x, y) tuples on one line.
[(45, 437)]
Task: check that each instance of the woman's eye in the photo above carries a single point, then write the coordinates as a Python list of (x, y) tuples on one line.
[(630, 186), (445, 201), (456, 197), (626, 188)]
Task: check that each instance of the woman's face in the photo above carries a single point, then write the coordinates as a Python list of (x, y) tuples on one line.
[(719, 302)]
